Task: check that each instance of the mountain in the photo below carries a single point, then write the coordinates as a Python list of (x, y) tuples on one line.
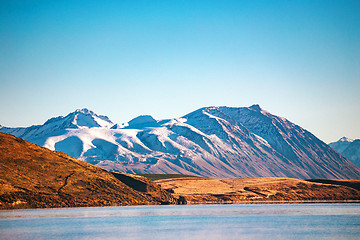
[(212, 142), (33, 177), (349, 148), (81, 118), (341, 144)]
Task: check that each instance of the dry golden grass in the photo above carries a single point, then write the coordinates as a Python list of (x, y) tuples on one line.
[(33, 177), (197, 190)]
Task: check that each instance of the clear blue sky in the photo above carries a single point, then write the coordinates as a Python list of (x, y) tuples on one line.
[(297, 59)]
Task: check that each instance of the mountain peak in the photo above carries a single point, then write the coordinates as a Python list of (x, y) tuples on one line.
[(255, 107), (84, 111), (87, 118), (80, 118), (345, 139), (142, 121)]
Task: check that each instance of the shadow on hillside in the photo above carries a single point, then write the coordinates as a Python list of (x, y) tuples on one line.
[(349, 183), (131, 182)]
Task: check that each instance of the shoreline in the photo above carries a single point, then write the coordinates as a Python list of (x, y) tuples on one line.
[(198, 203), (271, 202)]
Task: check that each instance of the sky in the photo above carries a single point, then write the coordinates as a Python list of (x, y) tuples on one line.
[(296, 59)]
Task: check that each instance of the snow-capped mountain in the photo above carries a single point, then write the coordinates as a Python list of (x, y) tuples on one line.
[(80, 119), (341, 144), (349, 148), (211, 142)]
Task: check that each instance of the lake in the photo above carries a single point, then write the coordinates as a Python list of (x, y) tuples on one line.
[(243, 221)]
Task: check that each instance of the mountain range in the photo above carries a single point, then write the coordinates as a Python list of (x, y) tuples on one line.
[(349, 148), (222, 142)]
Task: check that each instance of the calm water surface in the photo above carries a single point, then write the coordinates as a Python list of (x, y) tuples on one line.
[(260, 221)]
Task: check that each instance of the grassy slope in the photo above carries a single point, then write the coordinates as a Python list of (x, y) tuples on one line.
[(33, 177), (257, 189)]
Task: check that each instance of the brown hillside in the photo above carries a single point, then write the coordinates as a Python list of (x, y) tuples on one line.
[(36, 177), (205, 190)]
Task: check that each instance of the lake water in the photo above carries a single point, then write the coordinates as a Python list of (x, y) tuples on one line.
[(253, 221)]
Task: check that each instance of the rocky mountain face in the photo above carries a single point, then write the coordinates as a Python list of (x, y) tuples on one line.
[(349, 148), (212, 142)]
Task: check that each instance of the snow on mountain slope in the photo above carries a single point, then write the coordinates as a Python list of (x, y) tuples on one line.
[(81, 118), (349, 148), (211, 142), (341, 144), (352, 152), (297, 145), (142, 122)]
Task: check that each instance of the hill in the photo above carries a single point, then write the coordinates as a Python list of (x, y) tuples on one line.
[(36, 177), (195, 190)]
